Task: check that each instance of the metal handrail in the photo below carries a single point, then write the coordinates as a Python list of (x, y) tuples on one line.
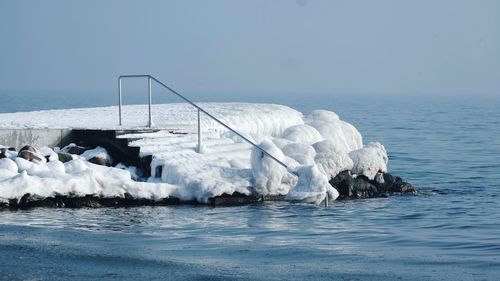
[(150, 78)]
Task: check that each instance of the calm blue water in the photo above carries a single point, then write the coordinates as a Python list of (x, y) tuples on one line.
[(450, 148)]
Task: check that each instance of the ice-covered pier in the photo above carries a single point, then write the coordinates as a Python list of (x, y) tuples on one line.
[(171, 151)]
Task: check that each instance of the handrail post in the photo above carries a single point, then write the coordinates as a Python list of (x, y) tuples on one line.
[(199, 132), (120, 101), (150, 122)]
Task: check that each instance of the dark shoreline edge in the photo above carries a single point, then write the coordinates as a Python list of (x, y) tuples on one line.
[(349, 188)]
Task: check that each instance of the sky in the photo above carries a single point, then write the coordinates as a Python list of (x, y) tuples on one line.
[(252, 47)]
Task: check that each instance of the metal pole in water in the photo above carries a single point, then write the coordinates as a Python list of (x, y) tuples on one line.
[(150, 123), (326, 199), (120, 101), (199, 132)]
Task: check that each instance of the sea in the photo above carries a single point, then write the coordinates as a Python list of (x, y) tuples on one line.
[(449, 147)]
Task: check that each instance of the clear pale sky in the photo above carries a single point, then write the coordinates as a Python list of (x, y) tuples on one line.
[(420, 47)]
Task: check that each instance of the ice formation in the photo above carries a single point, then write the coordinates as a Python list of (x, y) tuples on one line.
[(312, 187), (330, 160), (315, 148), (268, 174), (344, 135), (369, 160), (302, 134), (300, 152)]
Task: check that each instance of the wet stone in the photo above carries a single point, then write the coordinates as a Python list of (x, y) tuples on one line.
[(98, 161), (234, 199), (361, 187), (64, 157)]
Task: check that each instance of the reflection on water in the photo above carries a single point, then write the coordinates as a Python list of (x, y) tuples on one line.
[(449, 231)]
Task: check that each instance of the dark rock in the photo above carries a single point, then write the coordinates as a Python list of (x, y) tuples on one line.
[(98, 161), (234, 199), (145, 165), (385, 183), (28, 148), (388, 179), (349, 187), (343, 183), (273, 198), (402, 187), (408, 188), (393, 184), (28, 152), (128, 196), (64, 157), (89, 201), (158, 171), (384, 195), (13, 203), (28, 155), (78, 150), (2, 153), (361, 187), (12, 148), (26, 201)]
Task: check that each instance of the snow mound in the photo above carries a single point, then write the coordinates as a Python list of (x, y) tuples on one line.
[(280, 142), (300, 152), (330, 160), (7, 164), (369, 160), (312, 187), (322, 115), (8, 168), (75, 178), (48, 154), (98, 152), (302, 134), (345, 136)]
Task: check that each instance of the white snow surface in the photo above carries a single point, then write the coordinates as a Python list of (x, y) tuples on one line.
[(315, 148), (250, 118), (269, 175)]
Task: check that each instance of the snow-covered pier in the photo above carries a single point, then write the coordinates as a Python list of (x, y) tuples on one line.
[(166, 163)]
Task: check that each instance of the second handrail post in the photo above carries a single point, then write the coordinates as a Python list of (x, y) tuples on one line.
[(120, 101), (150, 122), (199, 132)]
